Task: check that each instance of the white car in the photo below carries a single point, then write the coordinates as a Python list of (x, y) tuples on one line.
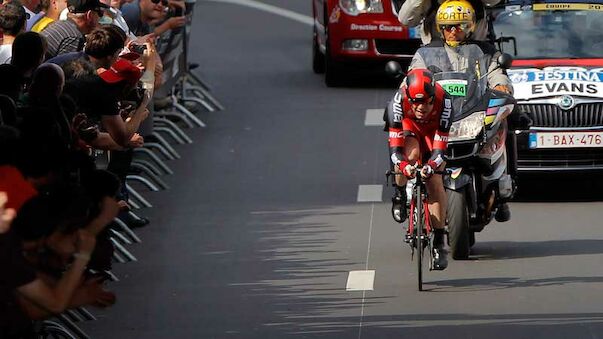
[(557, 76)]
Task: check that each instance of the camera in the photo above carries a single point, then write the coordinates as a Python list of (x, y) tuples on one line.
[(138, 48), (133, 99), (85, 128), (175, 12)]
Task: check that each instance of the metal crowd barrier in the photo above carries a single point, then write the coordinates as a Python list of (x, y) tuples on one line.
[(168, 129)]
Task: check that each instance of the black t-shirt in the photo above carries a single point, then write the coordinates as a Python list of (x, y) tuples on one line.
[(16, 272), (94, 97)]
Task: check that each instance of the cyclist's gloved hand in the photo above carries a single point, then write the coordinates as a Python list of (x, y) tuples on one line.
[(407, 169), (428, 169)]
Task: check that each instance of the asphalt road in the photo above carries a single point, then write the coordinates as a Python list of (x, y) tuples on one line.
[(262, 224)]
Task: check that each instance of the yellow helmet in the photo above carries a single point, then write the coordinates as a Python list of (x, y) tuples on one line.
[(458, 14)]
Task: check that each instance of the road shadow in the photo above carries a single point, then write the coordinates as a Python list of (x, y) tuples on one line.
[(559, 188), (500, 283), (502, 250)]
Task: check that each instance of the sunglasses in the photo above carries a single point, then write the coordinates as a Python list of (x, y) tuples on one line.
[(163, 2), (455, 27), (421, 101)]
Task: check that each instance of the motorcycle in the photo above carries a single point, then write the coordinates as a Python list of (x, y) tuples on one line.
[(481, 150)]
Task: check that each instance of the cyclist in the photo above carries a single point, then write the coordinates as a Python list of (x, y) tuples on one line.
[(456, 51), (418, 121)]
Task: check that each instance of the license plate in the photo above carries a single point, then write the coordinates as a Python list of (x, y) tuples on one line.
[(566, 139)]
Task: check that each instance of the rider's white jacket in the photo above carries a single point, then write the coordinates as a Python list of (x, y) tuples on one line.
[(413, 12)]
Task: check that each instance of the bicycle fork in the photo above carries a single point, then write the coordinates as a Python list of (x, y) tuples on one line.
[(411, 237)]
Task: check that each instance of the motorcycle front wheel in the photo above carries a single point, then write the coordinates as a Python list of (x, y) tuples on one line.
[(458, 224)]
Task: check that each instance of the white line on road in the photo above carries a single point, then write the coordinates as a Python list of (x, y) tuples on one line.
[(304, 19), (370, 193), (374, 117), (360, 280)]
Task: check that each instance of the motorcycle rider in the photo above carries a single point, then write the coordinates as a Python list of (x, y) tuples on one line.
[(418, 121), (423, 12), (455, 21)]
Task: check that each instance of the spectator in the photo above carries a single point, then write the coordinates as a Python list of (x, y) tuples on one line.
[(52, 10), (66, 36), (55, 230), (43, 116), (111, 86), (18, 189), (77, 69), (28, 53), (102, 48), (12, 82), (12, 22), (116, 16), (6, 214), (10, 90), (142, 14), (85, 129), (33, 13)]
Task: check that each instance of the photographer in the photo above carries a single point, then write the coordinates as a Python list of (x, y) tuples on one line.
[(111, 86)]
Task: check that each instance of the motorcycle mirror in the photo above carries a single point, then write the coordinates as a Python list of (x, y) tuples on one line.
[(505, 60), (393, 69)]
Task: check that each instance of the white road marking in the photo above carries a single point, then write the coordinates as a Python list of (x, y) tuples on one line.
[(374, 117), (360, 280), (370, 193), (304, 19)]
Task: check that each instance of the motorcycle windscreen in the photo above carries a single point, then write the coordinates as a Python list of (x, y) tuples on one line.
[(463, 76)]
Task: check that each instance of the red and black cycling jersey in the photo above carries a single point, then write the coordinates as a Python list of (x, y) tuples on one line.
[(431, 132)]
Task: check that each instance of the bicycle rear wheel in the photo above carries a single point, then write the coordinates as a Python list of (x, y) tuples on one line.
[(419, 235)]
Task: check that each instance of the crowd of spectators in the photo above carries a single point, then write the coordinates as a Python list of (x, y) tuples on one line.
[(77, 77)]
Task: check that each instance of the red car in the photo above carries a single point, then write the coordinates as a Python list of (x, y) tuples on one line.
[(358, 31)]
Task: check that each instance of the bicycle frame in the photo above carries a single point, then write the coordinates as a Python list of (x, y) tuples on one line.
[(411, 221)]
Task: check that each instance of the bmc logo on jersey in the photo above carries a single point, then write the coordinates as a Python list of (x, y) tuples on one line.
[(446, 113), (397, 107), (438, 137), (396, 135)]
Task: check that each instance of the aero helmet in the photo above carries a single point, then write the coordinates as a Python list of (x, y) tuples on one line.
[(419, 86)]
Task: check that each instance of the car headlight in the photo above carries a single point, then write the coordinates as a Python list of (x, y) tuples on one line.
[(355, 7), (467, 128)]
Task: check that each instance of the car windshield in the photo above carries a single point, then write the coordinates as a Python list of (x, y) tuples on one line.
[(542, 33)]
